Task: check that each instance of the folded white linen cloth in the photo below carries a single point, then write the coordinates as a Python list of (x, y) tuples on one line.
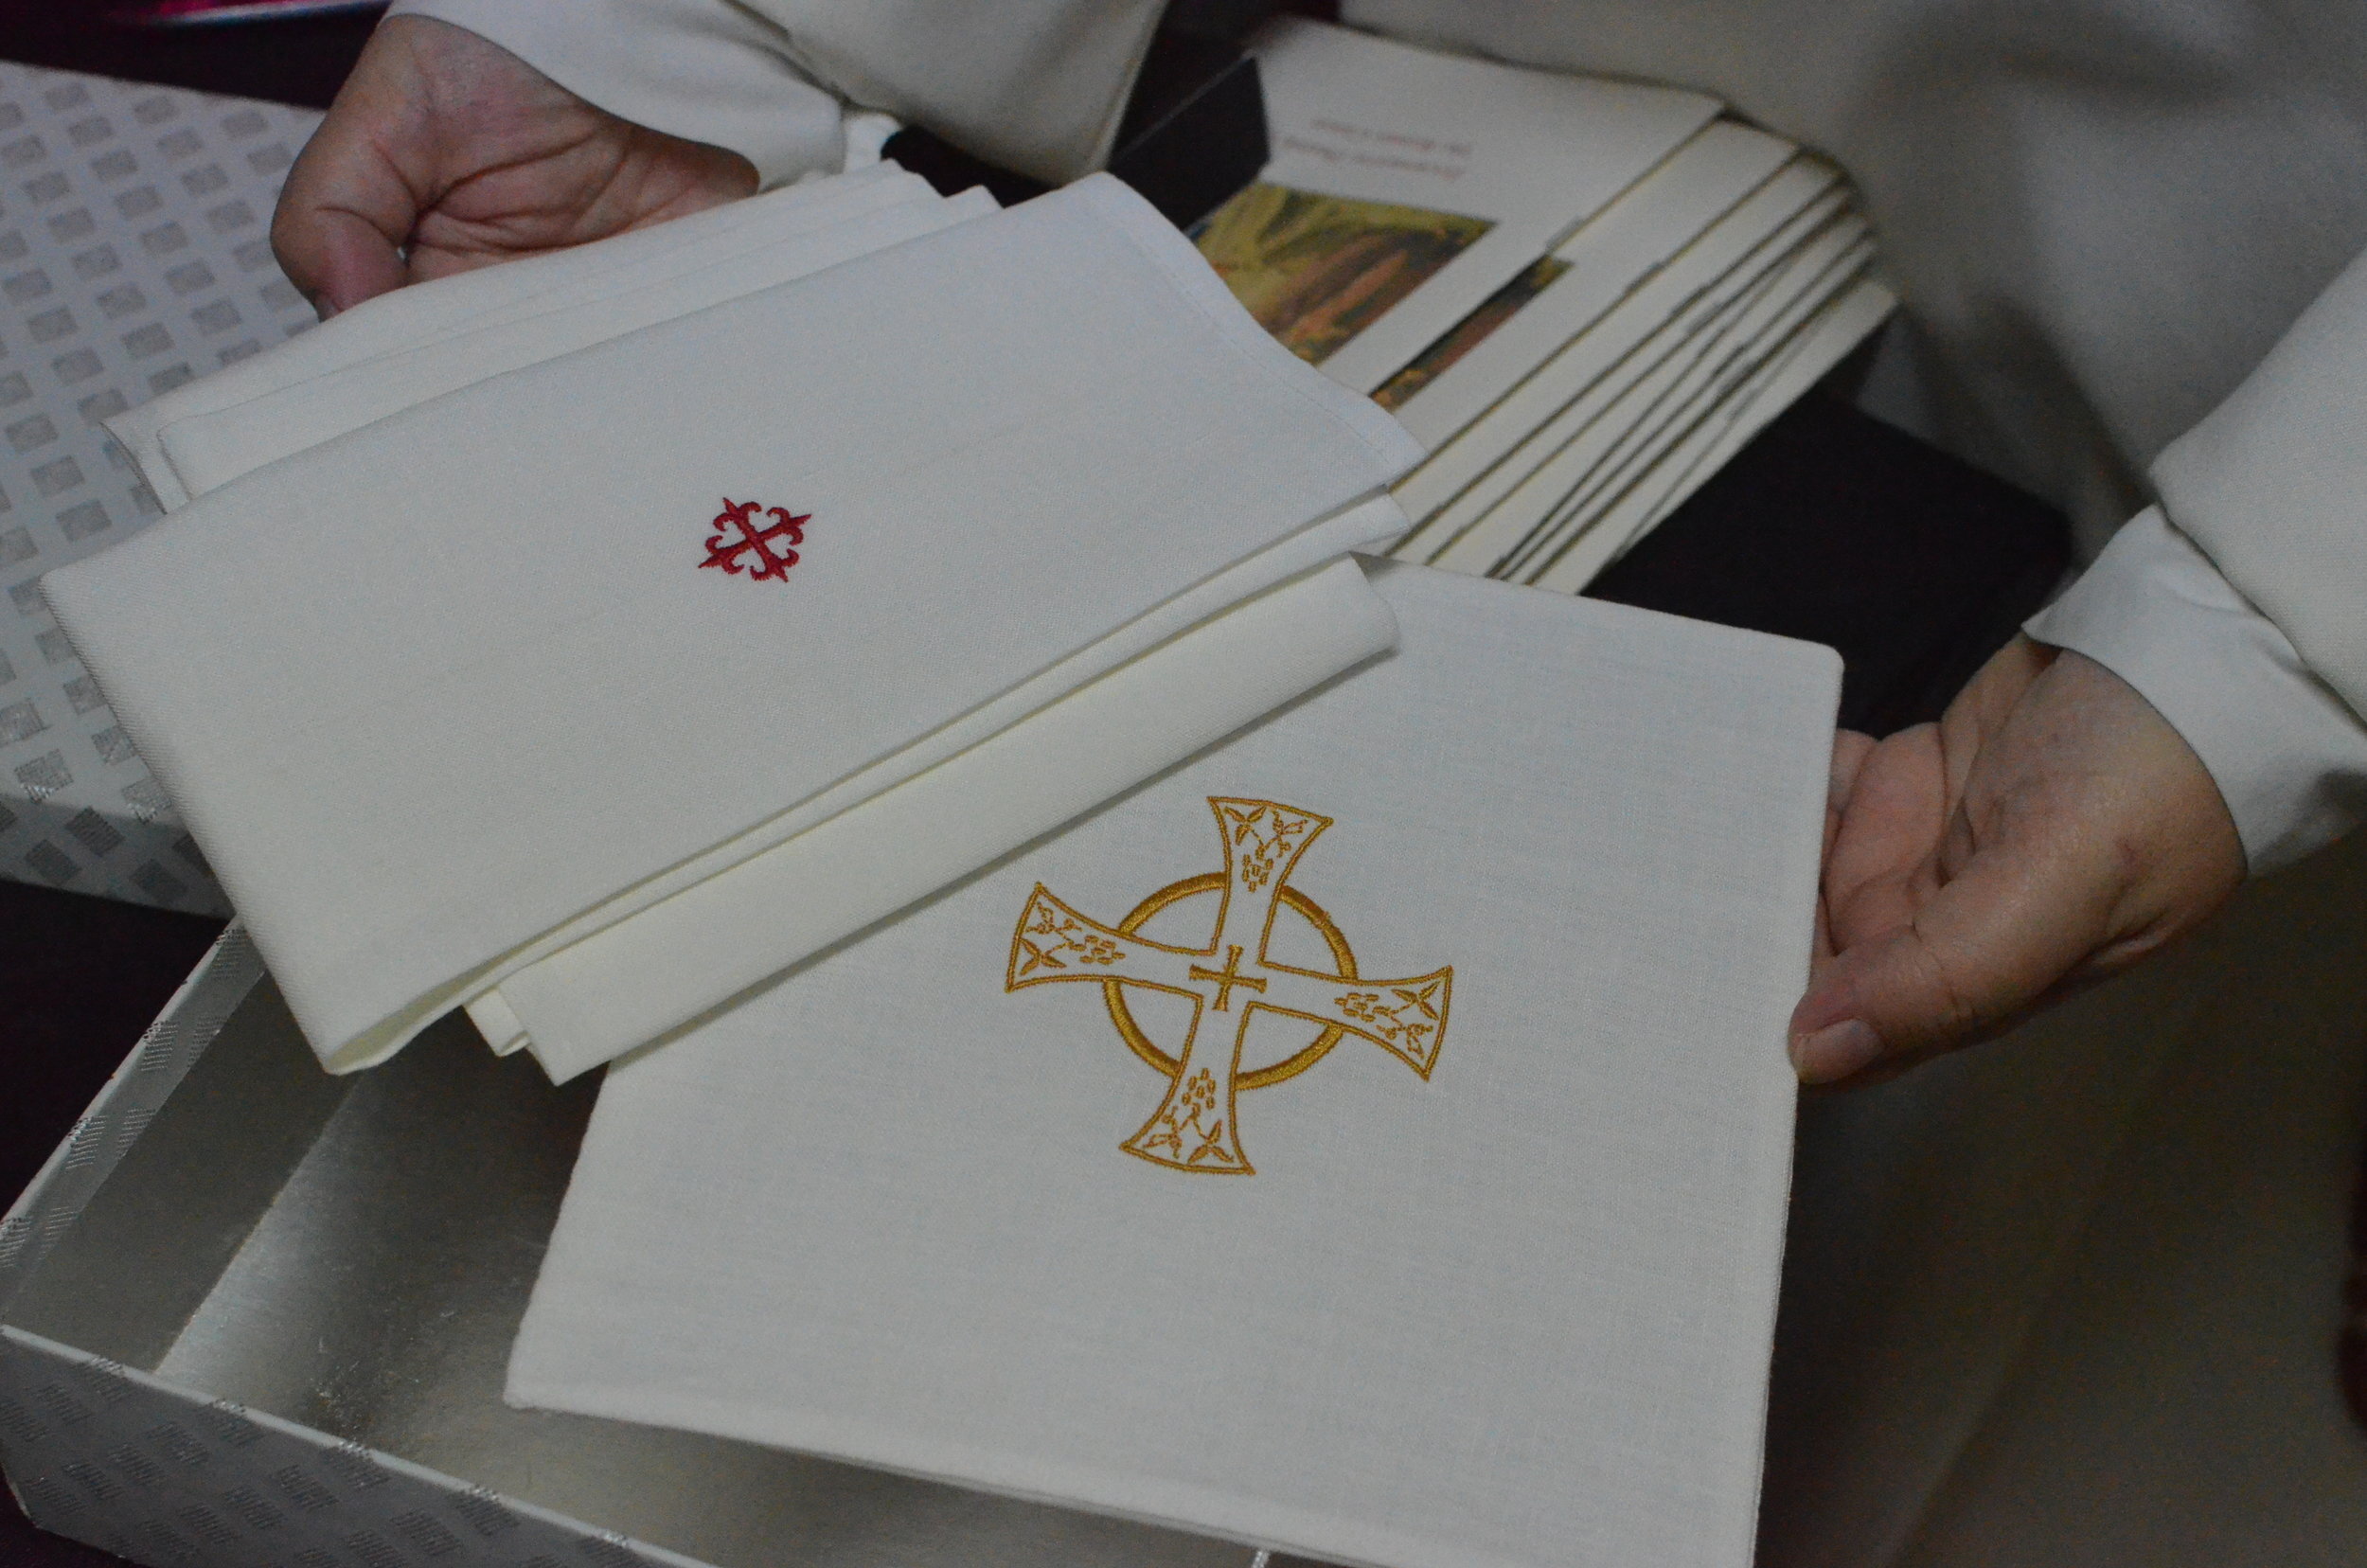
[(208, 450), (406, 318), (434, 689), (1369, 1139), (632, 982)]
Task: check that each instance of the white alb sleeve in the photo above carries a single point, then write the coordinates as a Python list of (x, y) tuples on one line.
[(2288, 756), (705, 70), (2272, 485)]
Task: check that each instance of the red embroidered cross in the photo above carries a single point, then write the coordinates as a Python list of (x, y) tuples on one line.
[(724, 552)]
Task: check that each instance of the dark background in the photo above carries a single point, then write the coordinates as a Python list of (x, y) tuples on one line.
[(1830, 527)]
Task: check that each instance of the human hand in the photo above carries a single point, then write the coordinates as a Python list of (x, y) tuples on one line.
[(2050, 829), (444, 152)]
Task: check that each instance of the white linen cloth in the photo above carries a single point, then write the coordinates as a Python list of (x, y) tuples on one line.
[(1654, 222), (206, 451), (628, 983), (1515, 1310), (432, 689), (2101, 216), (406, 320), (1468, 477)]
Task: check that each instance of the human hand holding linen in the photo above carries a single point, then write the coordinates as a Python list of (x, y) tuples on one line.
[(444, 152), (2051, 829)]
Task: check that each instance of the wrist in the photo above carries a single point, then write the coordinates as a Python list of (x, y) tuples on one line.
[(2288, 758)]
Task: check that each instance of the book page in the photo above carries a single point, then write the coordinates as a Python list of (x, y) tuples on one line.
[(1799, 363), (1465, 371), (1701, 270), (1406, 187), (1580, 388)]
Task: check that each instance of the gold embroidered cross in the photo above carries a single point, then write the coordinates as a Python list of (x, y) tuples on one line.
[(1194, 1127)]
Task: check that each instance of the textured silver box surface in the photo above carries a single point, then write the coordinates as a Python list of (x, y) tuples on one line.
[(133, 255), (253, 1314)]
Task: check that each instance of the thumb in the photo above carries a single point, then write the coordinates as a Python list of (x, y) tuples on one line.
[(2018, 919), (355, 191), (339, 258)]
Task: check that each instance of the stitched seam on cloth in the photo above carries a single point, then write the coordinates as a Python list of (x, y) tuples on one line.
[(140, 429), (2295, 711), (196, 439)]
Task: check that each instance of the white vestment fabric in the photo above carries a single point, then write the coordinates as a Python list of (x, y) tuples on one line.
[(2289, 757), (1038, 90), (1490, 1283), (1004, 443), (2100, 224)]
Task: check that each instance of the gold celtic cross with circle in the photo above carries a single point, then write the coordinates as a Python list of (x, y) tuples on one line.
[(1196, 1126)]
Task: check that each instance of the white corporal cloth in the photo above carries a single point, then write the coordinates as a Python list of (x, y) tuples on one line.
[(1489, 1283), (454, 689)]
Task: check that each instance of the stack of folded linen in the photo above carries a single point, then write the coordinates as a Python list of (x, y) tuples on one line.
[(586, 640)]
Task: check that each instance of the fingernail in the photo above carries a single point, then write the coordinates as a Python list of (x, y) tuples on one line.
[(1835, 1051)]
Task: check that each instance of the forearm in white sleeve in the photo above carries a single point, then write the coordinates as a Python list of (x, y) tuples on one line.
[(2289, 756), (709, 71), (2272, 485), (1034, 85)]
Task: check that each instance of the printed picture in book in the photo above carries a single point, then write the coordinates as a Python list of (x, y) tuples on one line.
[(1317, 270), (1468, 334)]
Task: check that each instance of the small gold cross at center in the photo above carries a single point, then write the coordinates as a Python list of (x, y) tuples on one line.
[(1227, 977)]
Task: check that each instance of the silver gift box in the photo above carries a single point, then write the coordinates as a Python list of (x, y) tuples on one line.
[(250, 1313)]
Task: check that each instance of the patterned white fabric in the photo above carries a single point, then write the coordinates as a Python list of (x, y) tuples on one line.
[(1496, 1286), (463, 678)]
